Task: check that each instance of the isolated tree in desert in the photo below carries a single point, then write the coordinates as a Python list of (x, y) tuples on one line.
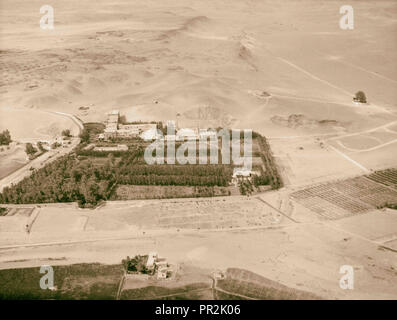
[(5, 137), (360, 97)]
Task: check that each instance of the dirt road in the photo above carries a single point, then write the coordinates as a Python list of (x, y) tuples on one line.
[(45, 158)]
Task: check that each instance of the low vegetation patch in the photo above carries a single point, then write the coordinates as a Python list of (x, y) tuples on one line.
[(244, 283), (136, 264), (5, 137), (78, 281), (3, 211), (159, 292), (132, 192)]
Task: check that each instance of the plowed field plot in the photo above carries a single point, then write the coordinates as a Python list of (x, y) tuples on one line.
[(23, 212), (387, 177), (202, 213), (208, 215), (349, 197)]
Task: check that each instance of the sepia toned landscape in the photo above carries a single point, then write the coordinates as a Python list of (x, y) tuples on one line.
[(81, 103)]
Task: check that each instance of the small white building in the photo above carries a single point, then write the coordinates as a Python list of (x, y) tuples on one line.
[(162, 273), (150, 264), (242, 173)]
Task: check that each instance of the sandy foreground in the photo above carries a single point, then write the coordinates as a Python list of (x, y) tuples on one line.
[(299, 250), (210, 62)]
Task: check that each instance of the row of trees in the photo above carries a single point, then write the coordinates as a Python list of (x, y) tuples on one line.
[(271, 175), (90, 130), (171, 180), (178, 170)]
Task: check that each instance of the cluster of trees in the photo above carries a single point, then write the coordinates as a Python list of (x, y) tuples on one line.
[(63, 180), (30, 149), (245, 187), (176, 175), (75, 177), (5, 138), (174, 180), (262, 180), (360, 97), (136, 265), (179, 170), (66, 133), (90, 130), (389, 206), (272, 174), (123, 120), (71, 178)]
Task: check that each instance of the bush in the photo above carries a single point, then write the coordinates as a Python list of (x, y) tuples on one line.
[(5, 137), (30, 150), (41, 148)]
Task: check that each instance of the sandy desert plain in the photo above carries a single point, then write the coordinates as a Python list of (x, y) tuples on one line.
[(211, 61)]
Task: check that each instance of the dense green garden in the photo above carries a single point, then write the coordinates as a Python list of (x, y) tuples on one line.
[(89, 176)]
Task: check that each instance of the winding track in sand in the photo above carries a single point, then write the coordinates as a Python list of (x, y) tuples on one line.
[(45, 158)]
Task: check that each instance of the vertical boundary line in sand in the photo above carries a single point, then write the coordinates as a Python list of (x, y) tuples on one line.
[(121, 285), (279, 211), (350, 159), (314, 76)]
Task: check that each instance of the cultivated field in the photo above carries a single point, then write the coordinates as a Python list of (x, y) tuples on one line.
[(124, 192), (387, 177), (335, 200), (217, 213), (248, 285), (79, 281)]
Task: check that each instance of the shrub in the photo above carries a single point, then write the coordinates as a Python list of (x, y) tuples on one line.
[(5, 137), (30, 150), (360, 97)]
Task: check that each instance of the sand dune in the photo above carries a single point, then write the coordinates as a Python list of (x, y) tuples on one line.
[(154, 60)]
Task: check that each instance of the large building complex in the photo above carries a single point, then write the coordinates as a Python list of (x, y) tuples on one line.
[(115, 129)]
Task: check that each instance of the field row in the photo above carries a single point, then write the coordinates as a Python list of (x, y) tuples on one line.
[(387, 177)]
